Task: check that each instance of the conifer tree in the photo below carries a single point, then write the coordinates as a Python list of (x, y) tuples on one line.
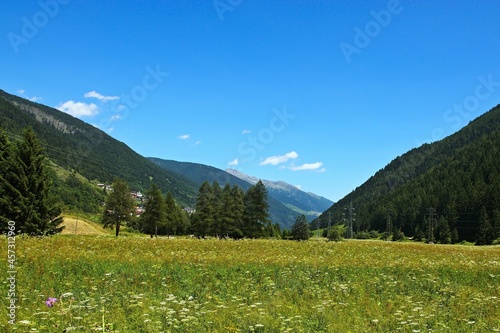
[(5, 201), (26, 195), (237, 209), (183, 221), (120, 206), (300, 229), (231, 212), (203, 216), (443, 232), (485, 233), (217, 228), (173, 218), (256, 210), (154, 215), (496, 224)]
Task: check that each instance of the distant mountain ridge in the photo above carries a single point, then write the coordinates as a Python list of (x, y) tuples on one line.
[(290, 195)]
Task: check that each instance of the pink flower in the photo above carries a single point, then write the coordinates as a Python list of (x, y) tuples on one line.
[(50, 301)]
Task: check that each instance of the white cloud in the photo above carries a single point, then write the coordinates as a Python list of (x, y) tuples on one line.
[(115, 117), (318, 166), (35, 98), (95, 94), (234, 162), (275, 160), (245, 131), (78, 109), (32, 99), (184, 137)]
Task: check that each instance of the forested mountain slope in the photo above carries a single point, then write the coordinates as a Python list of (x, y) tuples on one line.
[(77, 146), (452, 185)]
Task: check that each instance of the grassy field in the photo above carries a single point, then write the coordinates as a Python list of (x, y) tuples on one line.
[(74, 225), (135, 284)]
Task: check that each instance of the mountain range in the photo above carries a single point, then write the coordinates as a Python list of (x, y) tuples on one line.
[(450, 187), (302, 202), (77, 148)]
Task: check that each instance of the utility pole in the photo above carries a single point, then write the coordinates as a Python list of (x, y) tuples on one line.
[(432, 216), (351, 218)]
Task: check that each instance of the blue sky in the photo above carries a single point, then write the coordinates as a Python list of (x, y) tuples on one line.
[(320, 94)]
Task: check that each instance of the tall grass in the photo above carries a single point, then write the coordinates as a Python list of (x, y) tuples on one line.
[(182, 285)]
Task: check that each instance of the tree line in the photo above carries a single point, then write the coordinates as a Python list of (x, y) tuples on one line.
[(226, 212), (220, 212)]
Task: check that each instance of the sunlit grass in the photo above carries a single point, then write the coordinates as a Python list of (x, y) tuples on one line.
[(135, 284)]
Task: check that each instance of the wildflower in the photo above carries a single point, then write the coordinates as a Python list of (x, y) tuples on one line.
[(50, 301)]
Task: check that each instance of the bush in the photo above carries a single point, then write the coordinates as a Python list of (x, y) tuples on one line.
[(397, 235), (362, 235), (336, 233)]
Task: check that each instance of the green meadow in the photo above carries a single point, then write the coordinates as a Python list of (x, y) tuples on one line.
[(136, 284)]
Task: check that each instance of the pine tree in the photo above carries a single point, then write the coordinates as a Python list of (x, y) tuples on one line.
[(217, 227), (26, 188), (120, 206), (203, 216), (173, 216), (5, 200), (237, 210), (443, 232), (419, 234), (256, 210), (485, 233), (154, 215), (496, 224), (300, 229), (184, 223)]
